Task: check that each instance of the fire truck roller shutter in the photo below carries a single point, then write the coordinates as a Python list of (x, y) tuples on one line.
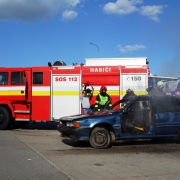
[(136, 81), (5, 118), (65, 99)]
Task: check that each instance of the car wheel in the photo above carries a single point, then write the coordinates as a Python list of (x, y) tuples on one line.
[(5, 118), (100, 138)]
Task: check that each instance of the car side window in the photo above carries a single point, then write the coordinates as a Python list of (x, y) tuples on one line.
[(165, 104), (176, 103)]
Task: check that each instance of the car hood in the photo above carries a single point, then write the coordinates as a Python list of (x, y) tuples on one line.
[(88, 115)]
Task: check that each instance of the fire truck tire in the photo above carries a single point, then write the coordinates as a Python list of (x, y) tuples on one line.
[(5, 118), (100, 138)]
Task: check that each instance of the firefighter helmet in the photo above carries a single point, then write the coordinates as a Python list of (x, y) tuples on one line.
[(103, 88), (160, 84), (129, 90), (88, 90)]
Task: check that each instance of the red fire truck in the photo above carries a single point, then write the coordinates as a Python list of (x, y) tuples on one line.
[(46, 93)]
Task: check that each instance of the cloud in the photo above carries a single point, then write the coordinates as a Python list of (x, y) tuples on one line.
[(31, 10), (129, 48), (69, 15), (152, 12), (121, 7)]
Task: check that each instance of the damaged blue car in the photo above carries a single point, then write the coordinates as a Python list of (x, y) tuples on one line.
[(146, 117)]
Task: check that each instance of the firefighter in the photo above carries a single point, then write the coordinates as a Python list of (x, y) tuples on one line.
[(129, 96), (103, 100), (177, 91), (178, 86), (86, 95), (158, 89)]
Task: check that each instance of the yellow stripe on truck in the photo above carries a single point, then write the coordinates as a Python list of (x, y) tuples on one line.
[(40, 93), (111, 93), (136, 92), (66, 93), (56, 93), (72, 93), (11, 93), (122, 93)]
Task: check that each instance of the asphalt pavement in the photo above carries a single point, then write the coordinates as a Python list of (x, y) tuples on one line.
[(38, 152), (20, 162)]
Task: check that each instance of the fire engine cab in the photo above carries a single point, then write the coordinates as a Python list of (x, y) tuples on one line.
[(46, 93)]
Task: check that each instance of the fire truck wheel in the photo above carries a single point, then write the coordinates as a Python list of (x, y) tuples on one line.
[(5, 118), (100, 138)]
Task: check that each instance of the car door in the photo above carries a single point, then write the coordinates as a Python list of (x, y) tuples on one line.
[(166, 115), (137, 119)]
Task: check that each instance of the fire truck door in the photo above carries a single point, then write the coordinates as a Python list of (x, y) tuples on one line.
[(41, 94), (65, 99), (18, 86), (137, 82)]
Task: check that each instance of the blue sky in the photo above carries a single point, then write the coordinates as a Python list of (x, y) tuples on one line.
[(35, 32)]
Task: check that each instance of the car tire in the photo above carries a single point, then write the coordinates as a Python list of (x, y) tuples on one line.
[(100, 138), (5, 118)]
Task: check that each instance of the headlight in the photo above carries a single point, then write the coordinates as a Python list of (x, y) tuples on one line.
[(73, 124), (69, 124)]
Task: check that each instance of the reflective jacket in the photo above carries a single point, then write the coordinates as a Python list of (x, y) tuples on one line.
[(101, 101)]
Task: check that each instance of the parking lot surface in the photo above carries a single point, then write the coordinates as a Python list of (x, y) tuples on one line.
[(130, 160)]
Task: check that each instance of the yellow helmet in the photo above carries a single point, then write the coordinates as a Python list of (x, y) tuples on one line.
[(160, 84)]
